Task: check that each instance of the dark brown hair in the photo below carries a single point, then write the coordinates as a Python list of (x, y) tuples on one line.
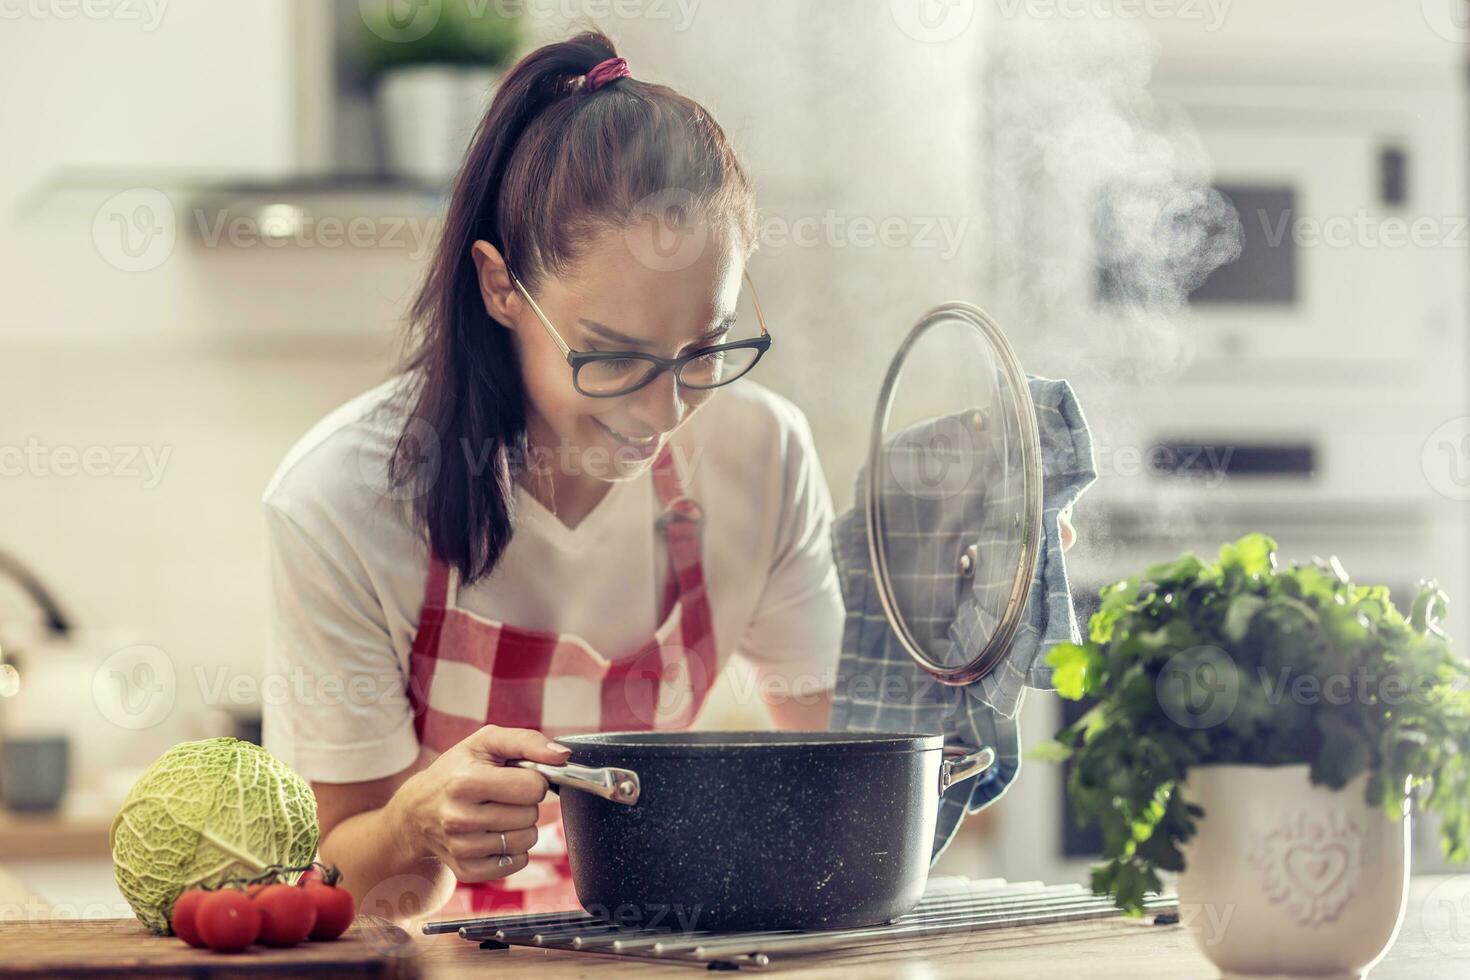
[(550, 166)]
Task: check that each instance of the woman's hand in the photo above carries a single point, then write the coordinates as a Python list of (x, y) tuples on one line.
[(1066, 531), (470, 811)]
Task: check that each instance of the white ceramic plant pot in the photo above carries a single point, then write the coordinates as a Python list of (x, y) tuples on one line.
[(427, 114), (1288, 879)]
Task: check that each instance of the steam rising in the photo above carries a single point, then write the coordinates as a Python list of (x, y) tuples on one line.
[(1087, 171)]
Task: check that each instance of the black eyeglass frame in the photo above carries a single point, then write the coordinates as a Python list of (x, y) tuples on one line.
[(578, 359)]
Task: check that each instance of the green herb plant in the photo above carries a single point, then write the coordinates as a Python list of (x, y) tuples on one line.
[(1242, 661), (450, 32)]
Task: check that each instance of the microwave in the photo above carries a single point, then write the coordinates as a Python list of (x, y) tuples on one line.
[(1349, 204)]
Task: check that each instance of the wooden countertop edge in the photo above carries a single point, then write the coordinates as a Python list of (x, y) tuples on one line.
[(51, 836)]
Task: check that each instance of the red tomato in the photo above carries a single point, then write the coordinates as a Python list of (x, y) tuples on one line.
[(227, 921), (186, 906), (334, 909), (287, 915)]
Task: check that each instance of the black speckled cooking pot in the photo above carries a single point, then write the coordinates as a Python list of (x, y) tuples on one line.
[(753, 830)]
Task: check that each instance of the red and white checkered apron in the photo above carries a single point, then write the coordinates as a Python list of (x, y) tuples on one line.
[(467, 671)]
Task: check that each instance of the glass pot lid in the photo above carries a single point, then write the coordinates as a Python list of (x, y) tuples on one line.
[(953, 494)]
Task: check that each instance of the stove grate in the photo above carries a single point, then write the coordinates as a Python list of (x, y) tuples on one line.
[(951, 908)]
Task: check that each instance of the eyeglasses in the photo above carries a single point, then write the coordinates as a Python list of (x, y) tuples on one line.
[(608, 374)]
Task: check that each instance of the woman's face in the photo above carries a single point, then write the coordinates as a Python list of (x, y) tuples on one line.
[(617, 298)]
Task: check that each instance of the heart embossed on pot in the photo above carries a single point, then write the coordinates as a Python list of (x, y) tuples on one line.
[(1311, 863), (1316, 868)]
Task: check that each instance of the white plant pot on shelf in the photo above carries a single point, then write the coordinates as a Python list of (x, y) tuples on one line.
[(1287, 879), (427, 115)]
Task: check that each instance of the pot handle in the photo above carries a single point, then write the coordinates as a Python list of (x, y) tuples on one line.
[(619, 785), (963, 766)]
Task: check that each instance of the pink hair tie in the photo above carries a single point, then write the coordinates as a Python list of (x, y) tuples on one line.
[(607, 71)]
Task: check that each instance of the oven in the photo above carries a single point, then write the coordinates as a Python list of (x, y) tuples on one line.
[(1324, 401)]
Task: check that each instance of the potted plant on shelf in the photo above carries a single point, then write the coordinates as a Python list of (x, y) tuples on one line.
[(433, 67), (1261, 730)]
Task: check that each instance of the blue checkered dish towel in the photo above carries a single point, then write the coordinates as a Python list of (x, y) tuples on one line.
[(879, 688)]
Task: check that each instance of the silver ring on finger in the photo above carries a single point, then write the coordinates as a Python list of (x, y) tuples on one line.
[(505, 859), (504, 847)]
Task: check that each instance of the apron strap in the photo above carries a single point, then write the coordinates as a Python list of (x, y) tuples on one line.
[(666, 478), (680, 522), (436, 588), (425, 650)]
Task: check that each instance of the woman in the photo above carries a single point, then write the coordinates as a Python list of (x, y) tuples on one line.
[(562, 517)]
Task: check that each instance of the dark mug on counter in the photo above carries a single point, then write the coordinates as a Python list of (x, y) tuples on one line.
[(33, 772)]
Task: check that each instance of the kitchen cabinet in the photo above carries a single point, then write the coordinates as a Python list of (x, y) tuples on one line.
[(186, 89), (1205, 34), (1351, 224)]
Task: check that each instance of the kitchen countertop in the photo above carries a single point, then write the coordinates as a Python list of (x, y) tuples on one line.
[(26, 836), (1431, 945)]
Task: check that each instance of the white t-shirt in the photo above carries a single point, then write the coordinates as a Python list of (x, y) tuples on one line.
[(348, 568)]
